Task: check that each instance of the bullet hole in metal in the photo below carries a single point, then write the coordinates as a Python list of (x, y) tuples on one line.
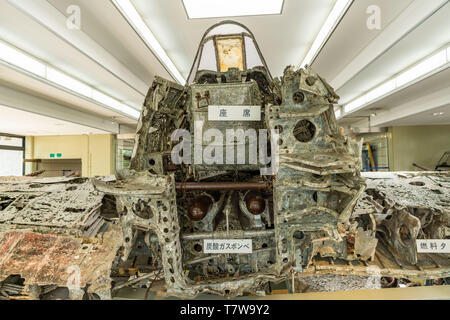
[(299, 235), (279, 128), (315, 197), (310, 81), (299, 97), (304, 131)]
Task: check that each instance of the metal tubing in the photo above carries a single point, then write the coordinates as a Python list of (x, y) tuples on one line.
[(222, 186), (232, 234), (421, 167)]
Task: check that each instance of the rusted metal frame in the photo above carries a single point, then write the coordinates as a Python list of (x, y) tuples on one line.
[(216, 256), (314, 208), (250, 35), (222, 186), (232, 234), (347, 212), (244, 34), (227, 209), (216, 51), (421, 167), (135, 281), (244, 52)]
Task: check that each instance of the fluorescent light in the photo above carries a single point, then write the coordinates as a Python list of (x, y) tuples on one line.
[(423, 68), (68, 82), (133, 17), (25, 62), (197, 9), (355, 104), (426, 66), (330, 24), (15, 57), (130, 111), (105, 99), (115, 104), (380, 91)]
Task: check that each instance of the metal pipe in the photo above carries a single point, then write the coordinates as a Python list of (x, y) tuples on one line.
[(222, 186), (232, 234), (216, 256), (421, 167), (136, 280), (203, 259), (227, 210)]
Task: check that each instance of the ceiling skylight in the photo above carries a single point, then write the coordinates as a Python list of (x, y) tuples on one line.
[(198, 9)]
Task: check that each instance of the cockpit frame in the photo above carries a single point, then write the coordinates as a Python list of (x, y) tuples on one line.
[(207, 37)]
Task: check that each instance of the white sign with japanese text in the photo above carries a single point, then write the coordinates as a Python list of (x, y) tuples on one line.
[(241, 246), (433, 245), (234, 113)]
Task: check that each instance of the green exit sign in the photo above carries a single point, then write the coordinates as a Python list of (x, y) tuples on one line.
[(57, 155), (52, 155)]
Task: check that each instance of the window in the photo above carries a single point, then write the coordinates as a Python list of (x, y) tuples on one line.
[(375, 152), (124, 151), (12, 152)]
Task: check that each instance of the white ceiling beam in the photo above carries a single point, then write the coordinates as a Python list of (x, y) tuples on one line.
[(327, 29), (429, 102), (51, 18), (423, 69), (19, 100), (22, 62), (414, 15)]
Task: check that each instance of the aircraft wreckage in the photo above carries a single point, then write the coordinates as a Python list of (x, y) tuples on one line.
[(225, 228)]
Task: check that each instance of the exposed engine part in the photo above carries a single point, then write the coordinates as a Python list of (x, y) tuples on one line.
[(224, 227)]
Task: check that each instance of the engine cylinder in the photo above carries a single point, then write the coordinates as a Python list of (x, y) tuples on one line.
[(200, 207), (255, 203)]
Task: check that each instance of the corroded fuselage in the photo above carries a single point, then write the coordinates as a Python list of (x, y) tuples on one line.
[(236, 179)]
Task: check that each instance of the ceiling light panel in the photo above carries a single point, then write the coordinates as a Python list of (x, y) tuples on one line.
[(23, 61), (338, 11), (198, 9), (355, 104), (425, 68), (68, 82), (380, 91), (15, 57), (134, 18), (109, 101)]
